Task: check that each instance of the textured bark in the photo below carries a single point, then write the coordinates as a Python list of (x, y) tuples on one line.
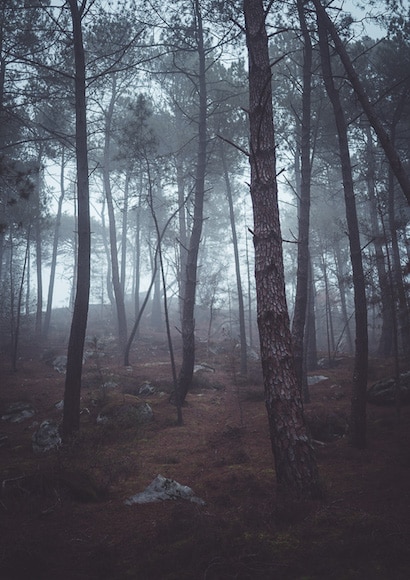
[(359, 387), (71, 416), (296, 469), (384, 139), (188, 321)]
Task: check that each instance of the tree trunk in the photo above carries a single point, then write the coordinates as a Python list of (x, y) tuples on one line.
[(330, 336), (301, 298), (249, 284), (110, 292), (296, 469), (119, 296), (403, 314), (38, 243), (47, 318), (359, 387), (19, 302), (75, 251), (241, 309), (182, 235), (137, 256), (387, 307), (72, 392), (310, 332), (384, 139), (340, 275), (124, 231), (188, 321)]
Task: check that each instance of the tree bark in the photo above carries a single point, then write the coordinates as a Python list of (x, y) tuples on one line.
[(359, 387), (296, 469), (72, 392), (188, 321)]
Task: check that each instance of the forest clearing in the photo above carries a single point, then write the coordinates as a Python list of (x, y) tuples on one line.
[(63, 513)]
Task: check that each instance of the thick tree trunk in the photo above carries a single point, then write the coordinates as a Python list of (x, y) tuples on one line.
[(72, 392), (296, 469), (188, 321), (384, 139), (359, 387)]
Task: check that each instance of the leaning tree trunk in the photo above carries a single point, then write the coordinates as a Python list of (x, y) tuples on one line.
[(359, 387), (403, 314), (384, 139), (188, 321), (71, 416), (296, 469)]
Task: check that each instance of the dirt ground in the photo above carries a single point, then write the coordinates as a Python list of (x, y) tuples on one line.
[(63, 513)]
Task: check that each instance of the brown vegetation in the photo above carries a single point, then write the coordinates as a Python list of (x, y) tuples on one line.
[(63, 513)]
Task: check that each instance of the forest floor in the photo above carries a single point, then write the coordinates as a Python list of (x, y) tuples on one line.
[(63, 513)]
